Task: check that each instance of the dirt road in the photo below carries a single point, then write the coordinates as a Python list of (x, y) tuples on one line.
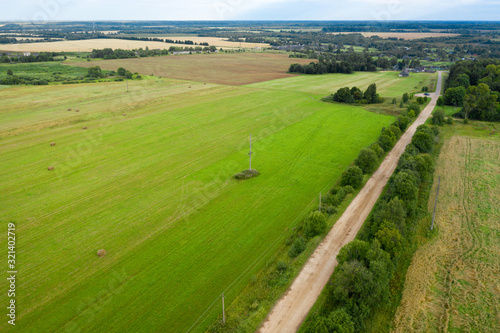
[(292, 309)]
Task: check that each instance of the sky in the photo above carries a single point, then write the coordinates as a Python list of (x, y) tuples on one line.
[(96, 10)]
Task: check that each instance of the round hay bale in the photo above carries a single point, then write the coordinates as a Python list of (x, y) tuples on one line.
[(69, 109), (124, 114), (52, 144), (189, 86), (101, 253), (84, 127), (50, 168), (77, 111)]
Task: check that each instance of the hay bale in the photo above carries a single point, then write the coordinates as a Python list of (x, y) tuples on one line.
[(69, 109), (101, 253), (77, 111), (52, 144), (124, 114), (84, 127), (50, 168), (189, 86)]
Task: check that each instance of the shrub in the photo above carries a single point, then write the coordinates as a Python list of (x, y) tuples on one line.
[(403, 122), (438, 118), (394, 101), (420, 100), (415, 107), (352, 176), (348, 189), (315, 224), (395, 129), (385, 142), (377, 149), (298, 246), (440, 101), (449, 121), (246, 174), (466, 121), (281, 266), (423, 142), (9, 72), (405, 98), (411, 114), (366, 160)]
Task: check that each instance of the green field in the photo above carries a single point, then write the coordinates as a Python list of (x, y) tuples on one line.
[(389, 84), (49, 71), (149, 181)]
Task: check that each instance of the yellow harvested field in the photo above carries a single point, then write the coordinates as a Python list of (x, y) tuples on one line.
[(452, 283), (89, 44), (219, 42), (404, 35)]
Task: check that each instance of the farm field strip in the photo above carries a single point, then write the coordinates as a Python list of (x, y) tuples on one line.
[(389, 84), (452, 283), (88, 45), (219, 68), (154, 188)]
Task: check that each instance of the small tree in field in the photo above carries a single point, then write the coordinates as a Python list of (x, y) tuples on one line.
[(94, 71), (9, 72)]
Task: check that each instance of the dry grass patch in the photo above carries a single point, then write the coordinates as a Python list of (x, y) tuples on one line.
[(221, 68), (452, 283)]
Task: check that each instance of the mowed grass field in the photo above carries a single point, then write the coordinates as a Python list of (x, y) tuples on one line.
[(452, 283), (150, 181), (221, 68), (389, 84)]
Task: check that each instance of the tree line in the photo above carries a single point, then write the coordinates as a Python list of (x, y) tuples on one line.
[(361, 283), (475, 86)]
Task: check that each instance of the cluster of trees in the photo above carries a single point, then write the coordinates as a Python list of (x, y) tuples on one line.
[(41, 57), (188, 42), (475, 86), (361, 282), (337, 63), (355, 95)]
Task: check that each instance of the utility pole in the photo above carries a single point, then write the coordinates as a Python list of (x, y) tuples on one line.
[(223, 312), (250, 153), (435, 203)]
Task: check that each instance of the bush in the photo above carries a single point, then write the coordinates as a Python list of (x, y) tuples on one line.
[(352, 176), (298, 246), (423, 142), (411, 114), (415, 107), (438, 118), (440, 101), (394, 101), (466, 121), (281, 266), (366, 160), (403, 122), (449, 121), (405, 98), (246, 174), (315, 224), (9, 72), (420, 100), (395, 129), (385, 142), (377, 149), (348, 189)]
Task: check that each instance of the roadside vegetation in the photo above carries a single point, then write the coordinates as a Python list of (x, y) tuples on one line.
[(366, 286)]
